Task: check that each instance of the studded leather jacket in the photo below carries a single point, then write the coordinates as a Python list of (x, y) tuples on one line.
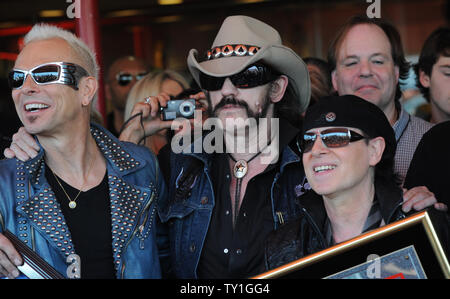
[(29, 210)]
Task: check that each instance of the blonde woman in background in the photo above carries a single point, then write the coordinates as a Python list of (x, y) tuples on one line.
[(153, 84)]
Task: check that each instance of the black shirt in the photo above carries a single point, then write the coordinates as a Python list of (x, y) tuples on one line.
[(164, 161), (239, 253), (89, 225)]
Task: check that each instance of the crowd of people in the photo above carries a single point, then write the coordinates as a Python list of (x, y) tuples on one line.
[(338, 157)]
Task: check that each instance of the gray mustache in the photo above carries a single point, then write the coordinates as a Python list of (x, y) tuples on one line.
[(230, 100)]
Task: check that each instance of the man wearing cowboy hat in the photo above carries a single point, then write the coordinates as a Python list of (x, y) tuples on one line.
[(222, 205)]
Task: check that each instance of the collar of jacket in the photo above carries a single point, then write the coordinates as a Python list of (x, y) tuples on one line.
[(390, 200), (287, 146), (37, 202), (112, 149)]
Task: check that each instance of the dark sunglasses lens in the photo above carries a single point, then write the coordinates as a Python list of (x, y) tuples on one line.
[(255, 75), (307, 142), (335, 139), (15, 79), (124, 79), (211, 83), (251, 77), (46, 74), (330, 138)]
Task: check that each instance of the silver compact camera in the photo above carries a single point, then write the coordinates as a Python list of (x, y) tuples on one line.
[(178, 108)]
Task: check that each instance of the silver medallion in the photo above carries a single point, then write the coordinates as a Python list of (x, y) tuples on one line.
[(240, 169)]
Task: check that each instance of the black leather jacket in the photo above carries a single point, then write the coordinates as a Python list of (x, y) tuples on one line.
[(306, 235)]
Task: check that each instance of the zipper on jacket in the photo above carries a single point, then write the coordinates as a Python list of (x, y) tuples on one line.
[(142, 226), (2, 222), (147, 206), (122, 271), (280, 218), (33, 242)]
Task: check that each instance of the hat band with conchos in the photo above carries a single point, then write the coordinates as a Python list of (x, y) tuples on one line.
[(245, 41), (239, 50)]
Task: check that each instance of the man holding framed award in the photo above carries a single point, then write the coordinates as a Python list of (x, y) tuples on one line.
[(348, 149)]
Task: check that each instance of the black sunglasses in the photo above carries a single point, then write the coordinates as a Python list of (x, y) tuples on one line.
[(123, 79), (332, 138), (49, 73), (255, 75)]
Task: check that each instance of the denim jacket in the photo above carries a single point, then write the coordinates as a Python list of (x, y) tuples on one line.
[(29, 210), (188, 218)]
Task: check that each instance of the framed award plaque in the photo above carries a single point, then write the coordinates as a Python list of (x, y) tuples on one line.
[(406, 249)]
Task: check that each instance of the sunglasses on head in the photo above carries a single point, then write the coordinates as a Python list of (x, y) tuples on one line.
[(255, 75), (332, 138), (123, 79), (49, 73)]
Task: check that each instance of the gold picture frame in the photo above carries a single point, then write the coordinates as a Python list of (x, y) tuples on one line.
[(415, 233)]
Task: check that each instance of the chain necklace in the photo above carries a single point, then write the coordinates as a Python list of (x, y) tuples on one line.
[(72, 202)]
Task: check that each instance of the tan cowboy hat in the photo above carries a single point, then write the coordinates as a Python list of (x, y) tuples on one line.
[(243, 41)]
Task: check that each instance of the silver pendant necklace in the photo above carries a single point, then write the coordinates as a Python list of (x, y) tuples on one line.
[(240, 169)]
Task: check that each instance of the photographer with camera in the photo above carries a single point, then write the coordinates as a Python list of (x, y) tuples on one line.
[(223, 204), (157, 113), (154, 83)]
